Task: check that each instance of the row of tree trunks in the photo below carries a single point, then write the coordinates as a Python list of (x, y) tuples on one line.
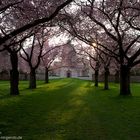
[(106, 75), (124, 79), (14, 77)]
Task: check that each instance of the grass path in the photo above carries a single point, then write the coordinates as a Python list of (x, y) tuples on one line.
[(70, 109)]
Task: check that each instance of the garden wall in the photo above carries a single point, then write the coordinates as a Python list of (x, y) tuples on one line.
[(5, 76)]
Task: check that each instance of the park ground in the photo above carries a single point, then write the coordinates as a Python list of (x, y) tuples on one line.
[(70, 109)]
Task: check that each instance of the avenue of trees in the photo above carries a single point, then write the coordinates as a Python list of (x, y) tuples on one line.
[(19, 20), (110, 30), (112, 25)]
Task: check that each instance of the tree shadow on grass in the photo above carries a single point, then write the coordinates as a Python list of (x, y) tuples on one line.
[(68, 111), (32, 112)]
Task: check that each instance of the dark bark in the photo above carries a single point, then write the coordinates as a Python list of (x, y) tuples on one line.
[(117, 76), (32, 82), (125, 80), (93, 77), (96, 78), (106, 75), (46, 75), (14, 74), (26, 76)]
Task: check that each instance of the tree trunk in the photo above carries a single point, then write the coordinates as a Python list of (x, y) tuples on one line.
[(96, 78), (32, 83), (26, 76), (117, 77), (106, 75), (14, 74), (125, 80), (46, 75)]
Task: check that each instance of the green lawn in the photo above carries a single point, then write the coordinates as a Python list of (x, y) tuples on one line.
[(70, 109)]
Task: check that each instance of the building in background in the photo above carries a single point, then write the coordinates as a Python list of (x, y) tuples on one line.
[(70, 65)]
